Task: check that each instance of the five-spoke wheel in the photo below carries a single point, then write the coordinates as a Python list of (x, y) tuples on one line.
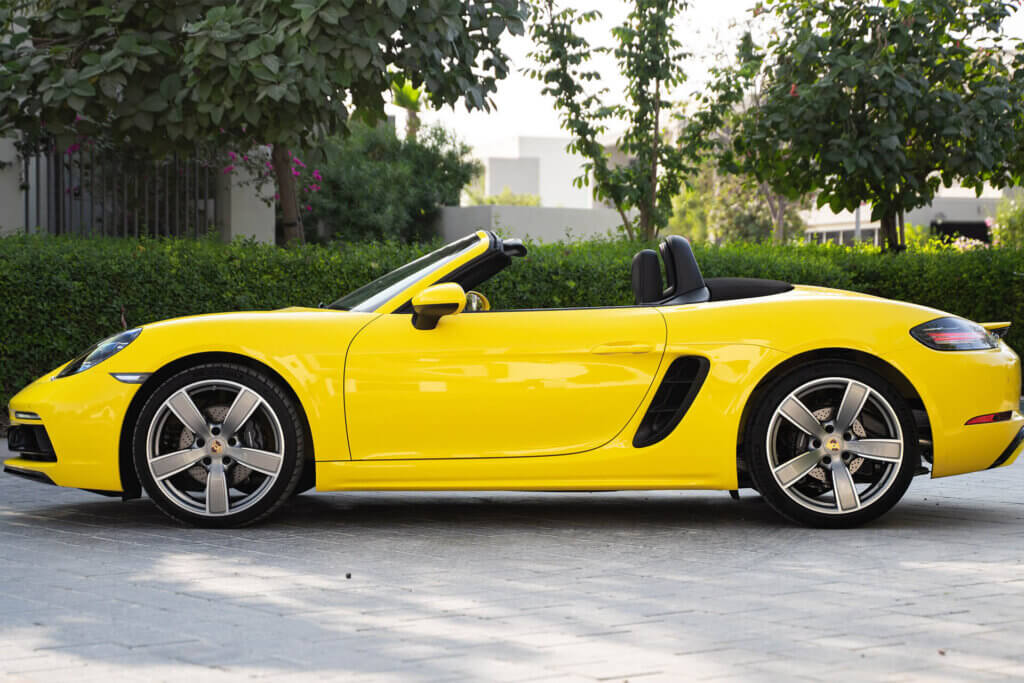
[(218, 445), (832, 445)]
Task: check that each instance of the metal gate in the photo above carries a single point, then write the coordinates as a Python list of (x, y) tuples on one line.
[(94, 191)]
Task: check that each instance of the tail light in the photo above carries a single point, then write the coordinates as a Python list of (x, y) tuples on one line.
[(954, 334)]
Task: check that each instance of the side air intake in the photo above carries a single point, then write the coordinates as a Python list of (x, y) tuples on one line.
[(679, 387)]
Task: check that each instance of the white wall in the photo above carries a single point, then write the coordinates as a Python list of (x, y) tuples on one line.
[(557, 169), (543, 224), (241, 210), (519, 176), (12, 197)]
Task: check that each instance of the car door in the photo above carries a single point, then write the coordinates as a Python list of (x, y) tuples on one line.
[(499, 384)]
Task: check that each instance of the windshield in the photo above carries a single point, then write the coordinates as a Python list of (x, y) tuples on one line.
[(372, 296)]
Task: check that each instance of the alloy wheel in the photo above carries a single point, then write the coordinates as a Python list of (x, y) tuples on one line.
[(835, 445), (215, 447)]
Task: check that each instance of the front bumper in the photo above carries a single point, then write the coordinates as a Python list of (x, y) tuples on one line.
[(81, 417)]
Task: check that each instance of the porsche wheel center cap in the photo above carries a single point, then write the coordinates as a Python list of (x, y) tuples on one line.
[(834, 445), (216, 446)]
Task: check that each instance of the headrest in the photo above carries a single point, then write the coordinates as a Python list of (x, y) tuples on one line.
[(646, 277), (680, 266)]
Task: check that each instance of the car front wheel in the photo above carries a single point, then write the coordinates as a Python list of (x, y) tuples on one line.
[(832, 445), (219, 445)]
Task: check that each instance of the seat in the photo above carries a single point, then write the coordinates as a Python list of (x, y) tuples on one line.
[(646, 277), (685, 282)]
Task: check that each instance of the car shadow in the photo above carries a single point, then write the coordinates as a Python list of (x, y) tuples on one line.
[(511, 511)]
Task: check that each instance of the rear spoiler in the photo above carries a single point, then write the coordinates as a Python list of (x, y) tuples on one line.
[(998, 329)]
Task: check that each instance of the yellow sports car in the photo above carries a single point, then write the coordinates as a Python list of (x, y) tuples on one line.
[(826, 402)]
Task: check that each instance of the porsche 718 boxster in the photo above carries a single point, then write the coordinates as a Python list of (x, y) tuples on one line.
[(826, 402)]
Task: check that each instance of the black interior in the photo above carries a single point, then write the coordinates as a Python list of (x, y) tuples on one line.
[(683, 282)]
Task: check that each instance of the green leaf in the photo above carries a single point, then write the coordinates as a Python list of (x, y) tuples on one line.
[(398, 7), (143, 120), (361, 56), (154, 102), (84, 88), (272, 63)]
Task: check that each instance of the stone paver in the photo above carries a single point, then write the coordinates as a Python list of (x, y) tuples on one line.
[(517, 587)]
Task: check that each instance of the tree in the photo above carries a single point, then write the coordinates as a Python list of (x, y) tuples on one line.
[(162, 74), (878, 101), (410, 99), (374, 185), (649, 56), (720, 207)]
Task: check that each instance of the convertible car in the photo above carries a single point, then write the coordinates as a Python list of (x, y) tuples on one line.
[(826, 402)]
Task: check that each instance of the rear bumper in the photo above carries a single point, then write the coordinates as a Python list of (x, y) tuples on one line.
[(957, 386), (1011, 452)]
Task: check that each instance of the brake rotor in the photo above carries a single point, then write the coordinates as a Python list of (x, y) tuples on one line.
[(857, 428), (237, 472)]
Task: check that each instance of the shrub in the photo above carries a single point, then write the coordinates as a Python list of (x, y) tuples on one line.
[(1008, 229), (62, 294), (375, 186)]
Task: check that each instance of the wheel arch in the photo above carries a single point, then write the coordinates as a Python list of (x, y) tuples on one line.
[(881, 367), (129, 480)]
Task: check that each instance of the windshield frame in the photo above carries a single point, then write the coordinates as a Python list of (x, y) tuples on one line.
[(392, 289)]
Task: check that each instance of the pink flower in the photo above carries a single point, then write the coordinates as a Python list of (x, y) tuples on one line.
[(299, 162), (295, 173), (232, 155), (309, 207), (277, 196), (316, 174), (228, 169)]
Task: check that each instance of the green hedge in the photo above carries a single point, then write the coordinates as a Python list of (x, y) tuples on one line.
[(62, 294)]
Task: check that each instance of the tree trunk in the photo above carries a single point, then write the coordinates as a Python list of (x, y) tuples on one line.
[(902, 233), (778, 213), (890, 238), (648, 229), (412, 125), (291, 218), (627, 225), (647, 217)]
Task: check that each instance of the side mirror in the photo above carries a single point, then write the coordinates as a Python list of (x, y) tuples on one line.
[(435, 302)]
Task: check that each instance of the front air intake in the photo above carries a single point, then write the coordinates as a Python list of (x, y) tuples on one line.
[(678, 388)]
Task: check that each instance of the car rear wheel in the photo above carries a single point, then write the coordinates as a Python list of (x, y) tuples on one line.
[(832, 445), (219, 445)]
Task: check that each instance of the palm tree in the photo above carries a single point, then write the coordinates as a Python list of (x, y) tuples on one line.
[(404, 95)]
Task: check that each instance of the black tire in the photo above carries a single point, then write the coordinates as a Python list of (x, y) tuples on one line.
[(274, 493), (797, 502), (308, 480)]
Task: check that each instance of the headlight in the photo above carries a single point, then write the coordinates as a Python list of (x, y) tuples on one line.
[(99, 352), (954, 334)]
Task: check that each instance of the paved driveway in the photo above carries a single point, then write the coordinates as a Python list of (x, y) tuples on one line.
[(638, 586)]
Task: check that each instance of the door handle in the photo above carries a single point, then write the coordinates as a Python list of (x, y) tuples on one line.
[(622, 347)]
